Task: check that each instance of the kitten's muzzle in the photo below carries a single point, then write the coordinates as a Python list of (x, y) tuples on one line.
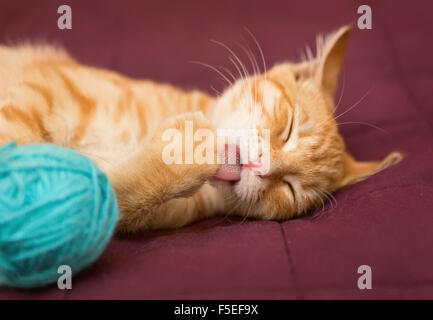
[(232, 166)]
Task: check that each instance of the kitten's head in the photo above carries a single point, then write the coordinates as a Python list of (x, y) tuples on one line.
[(308, 159)]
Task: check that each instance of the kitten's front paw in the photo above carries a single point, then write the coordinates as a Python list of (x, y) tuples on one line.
[(187, 144)]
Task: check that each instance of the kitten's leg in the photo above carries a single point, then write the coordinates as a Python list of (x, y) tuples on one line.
[(178, 212), (146, 182)]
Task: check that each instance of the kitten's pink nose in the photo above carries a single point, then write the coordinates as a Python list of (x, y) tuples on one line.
[(253, 164), (257, 166)]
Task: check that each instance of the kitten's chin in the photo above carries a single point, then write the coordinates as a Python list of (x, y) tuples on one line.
[(225, 188), (240, 197), (223, 184), (245, 187)]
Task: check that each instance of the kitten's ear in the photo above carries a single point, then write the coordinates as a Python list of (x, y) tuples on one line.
[(331, 52), (355, 171)]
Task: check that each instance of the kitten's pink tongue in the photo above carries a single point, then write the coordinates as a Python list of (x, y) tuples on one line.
[(231, 169)]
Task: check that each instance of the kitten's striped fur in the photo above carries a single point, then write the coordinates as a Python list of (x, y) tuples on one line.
[(46, 96)]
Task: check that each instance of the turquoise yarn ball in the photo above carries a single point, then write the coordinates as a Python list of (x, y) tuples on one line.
[(56, 208)]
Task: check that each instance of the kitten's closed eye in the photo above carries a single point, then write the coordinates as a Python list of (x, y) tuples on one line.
[(290, 131), (292, 190)]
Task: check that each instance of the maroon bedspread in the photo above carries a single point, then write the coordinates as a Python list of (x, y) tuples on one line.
[(385, 222)]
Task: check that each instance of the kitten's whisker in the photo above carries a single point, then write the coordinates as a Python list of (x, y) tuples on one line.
[(239, 71), (250, 206), (331, 196), (229, 72), (237, 68), (246, 75), (233, 54), (354, 105), (241, 65), (234, 208), (218, 93), (256, 70), (342, 91), (243, 75), (250, 56), (214, 69), (346, 111), (335, 200), (365, 123), (260, 49), (323, 194), (244, 81), (320, 197), (232, 198)]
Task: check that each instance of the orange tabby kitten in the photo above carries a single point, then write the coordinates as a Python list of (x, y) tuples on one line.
[(46, 96)]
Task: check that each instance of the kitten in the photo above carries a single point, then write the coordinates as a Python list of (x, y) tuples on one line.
[(46, 96)]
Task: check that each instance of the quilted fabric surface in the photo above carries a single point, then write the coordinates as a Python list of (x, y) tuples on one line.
[(385, 222)]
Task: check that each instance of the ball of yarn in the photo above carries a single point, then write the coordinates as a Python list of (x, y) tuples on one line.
[(56, 208)]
